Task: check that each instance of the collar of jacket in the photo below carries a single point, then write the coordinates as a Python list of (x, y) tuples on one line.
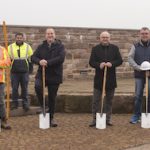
[(104, 46), (148, 43), (19, 45), (52, 44)]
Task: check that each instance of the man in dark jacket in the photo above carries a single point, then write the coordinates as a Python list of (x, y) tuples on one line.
[(104, 54), (51, 55)]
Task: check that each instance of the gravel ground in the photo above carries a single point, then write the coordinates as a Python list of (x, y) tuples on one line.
[(73, 133)]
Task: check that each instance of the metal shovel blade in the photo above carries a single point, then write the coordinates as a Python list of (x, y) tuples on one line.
[(44, 121), (100, 121), (145, 120)]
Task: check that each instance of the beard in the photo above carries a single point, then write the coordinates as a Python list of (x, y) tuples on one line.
[(19, 43)]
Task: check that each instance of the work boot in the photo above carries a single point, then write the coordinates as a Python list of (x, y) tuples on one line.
[(26, 107), (14, 106), (4, 124), (93, 123)]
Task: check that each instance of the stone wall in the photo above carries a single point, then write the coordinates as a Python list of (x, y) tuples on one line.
[(78, 43)]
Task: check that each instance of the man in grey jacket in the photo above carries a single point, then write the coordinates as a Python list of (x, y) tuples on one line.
[(139, 52)]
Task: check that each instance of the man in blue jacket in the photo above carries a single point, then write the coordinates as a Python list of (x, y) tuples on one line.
[(50, 54)]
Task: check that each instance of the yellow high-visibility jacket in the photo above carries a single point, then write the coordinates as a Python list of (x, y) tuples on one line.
[(25, 51), (4, 63)]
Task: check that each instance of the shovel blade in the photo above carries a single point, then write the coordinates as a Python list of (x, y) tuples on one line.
[(145, 120), (100, 121), (44, 121)]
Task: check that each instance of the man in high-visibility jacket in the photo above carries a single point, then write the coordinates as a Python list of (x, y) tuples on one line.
[(20, 53), (4, 63)]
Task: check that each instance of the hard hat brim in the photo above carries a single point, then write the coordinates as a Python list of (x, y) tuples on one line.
[(145, 69)]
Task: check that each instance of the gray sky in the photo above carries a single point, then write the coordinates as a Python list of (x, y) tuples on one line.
[(131, 14)]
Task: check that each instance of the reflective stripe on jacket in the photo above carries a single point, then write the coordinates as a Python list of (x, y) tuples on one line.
[(4, 63), (25, 51)]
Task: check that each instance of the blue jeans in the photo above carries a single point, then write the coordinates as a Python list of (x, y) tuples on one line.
[(2, 102), (21, 79), (139, 88)]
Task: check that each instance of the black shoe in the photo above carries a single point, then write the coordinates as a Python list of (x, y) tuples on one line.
[(52, 123), (109, 124), (5, 125), (14, 106), (93, 124), (39, 111), (26, 108)]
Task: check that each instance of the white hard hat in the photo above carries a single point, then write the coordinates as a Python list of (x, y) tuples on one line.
[(145, 65)]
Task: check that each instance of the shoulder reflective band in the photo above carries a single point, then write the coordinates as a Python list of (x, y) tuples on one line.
[(27, 49), (11, 51), (1, 53)]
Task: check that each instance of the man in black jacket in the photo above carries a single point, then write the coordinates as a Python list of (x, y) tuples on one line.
[(104, 54), (50, 54)]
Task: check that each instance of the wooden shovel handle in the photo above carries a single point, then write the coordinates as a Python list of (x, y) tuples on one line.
[(43, 79), (147, 87), (7, 73), (103, 90)]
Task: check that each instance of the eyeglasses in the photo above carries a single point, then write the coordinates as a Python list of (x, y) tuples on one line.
[(144, 33), (105, 37)]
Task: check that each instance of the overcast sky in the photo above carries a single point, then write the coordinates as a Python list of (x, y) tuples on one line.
[(131, 14)]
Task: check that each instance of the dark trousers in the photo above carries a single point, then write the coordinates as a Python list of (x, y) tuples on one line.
[(2, 102), (52, 93), (96, 105), (21, 79)]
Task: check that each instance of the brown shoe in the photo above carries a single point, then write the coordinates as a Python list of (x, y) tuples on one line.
[(5, 125)]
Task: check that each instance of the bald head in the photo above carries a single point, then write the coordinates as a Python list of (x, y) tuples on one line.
[(50, 35), (105, 38), (105, 34)]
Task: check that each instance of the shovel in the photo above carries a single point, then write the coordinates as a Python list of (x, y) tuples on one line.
[(44, 120), (101, 117), (145, 120)]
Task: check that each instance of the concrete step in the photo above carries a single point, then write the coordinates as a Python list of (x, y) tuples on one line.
[(81, 103), (20, 111)]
